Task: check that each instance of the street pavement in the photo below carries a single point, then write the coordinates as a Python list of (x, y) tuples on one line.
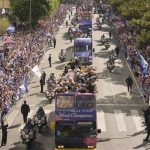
[(119, 113)]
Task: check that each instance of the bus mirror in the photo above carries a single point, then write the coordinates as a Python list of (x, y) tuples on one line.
[(98, 130), (93, 49)]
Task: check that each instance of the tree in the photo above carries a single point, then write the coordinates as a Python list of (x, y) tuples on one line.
[(54, 4), (21, 9), (4, 23), (137, 12)]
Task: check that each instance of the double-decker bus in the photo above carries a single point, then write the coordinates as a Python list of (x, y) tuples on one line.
[(75, 121), (83, 50)]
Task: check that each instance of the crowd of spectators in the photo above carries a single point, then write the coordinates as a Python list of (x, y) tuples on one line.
[(126, 37), (26, 51)]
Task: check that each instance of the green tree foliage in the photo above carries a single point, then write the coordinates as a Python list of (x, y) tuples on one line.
[(137, 12), (54, 4), (4, 23), (21, 9)]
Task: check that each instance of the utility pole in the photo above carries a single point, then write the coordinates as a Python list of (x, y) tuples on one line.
[(30, 16)]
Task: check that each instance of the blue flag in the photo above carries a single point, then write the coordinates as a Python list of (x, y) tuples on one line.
[(143, 65), (25, 84)]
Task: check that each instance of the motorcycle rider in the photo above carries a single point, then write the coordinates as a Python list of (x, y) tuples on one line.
[(103, 39), (31, 127), (40, 112), (62, 54)]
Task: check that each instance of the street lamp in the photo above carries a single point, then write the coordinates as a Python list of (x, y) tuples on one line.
[(30, 16)]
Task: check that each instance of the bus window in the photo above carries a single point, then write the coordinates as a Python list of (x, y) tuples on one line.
[(65, 129), (86, 101), (65, 102), (85, 129)]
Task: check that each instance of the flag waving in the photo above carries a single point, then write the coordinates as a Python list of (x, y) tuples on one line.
[(143, 65), (37, 71)]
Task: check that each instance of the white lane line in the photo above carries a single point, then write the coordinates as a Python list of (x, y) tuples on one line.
[(101, 121), (120, 121), (137, 120), (12, 116)]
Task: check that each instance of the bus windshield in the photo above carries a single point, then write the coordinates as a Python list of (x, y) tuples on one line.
[(65, 102), (75, 129), (64, 129), (86, 101), (86, 129), (83, 47)]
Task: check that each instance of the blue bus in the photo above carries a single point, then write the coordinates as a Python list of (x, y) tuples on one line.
[(75, 121), (83, 50), (85, 25)]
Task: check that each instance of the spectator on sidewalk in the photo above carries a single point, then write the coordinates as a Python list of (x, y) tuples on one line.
[(4, 126), (42, 83), (148, 130), (129, 82), (110, 35), (25, 109), (69, 16), (66, 23), (44, 75), (71, 37), (49, 60), (54, 42), (117, 50)]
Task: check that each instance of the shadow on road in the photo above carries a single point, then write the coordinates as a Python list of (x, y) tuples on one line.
[(103, 139), (66, 36), (140, 146), (14, 126)]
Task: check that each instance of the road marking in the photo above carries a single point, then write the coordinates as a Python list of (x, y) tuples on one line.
[(137, 120), (101, 121), (12, 116), (120, 120)]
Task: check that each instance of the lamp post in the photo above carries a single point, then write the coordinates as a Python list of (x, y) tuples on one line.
[(30, 16)]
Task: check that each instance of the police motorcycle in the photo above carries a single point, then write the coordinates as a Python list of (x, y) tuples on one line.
[(107, 45), (103, 39), (28, 133), (111, 62), (62, 56), (40, 119), (51, 84), (98, 23)]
